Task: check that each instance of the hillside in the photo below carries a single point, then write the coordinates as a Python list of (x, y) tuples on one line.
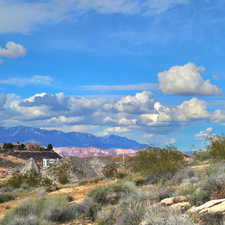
[(62, 139), (93, 152)]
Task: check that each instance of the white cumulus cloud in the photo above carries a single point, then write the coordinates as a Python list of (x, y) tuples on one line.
[(186, 80), (12, 50)]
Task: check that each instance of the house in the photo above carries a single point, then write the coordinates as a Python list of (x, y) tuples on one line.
[(49, 162)]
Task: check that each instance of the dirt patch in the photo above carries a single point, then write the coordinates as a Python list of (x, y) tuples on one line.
[(79, 193), (201, 166)]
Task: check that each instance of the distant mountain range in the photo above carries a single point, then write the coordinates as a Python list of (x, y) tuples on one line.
[(62, 139)]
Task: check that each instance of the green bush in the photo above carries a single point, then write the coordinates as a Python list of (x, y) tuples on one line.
[(61, 172), (110, 170), (40, 211), (5, 197), (63, 178), (29, 180), (216, 148), (112, 193), (157, 161), (209, 181)]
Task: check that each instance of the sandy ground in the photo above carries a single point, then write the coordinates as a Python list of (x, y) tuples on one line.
[(79, 193), (201, 166)]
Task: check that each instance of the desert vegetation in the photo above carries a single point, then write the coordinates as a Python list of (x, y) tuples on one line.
[(156, 187)]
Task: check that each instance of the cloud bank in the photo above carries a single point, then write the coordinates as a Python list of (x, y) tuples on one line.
[(140, 112)]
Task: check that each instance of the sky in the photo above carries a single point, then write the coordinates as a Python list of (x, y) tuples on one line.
[(150, 70)]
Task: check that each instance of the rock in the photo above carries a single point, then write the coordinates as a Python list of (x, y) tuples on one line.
[(173, 200), (212, 212), (205, 206), (181, 206)]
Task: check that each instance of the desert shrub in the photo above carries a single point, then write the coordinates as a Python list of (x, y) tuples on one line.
[(63, 178), (110, 170), (129, 210), (47, 210), (131, 213), (164, 216), (183, 176), (6, 197), (112, 193), (210, 182), (106, 199), (140, 211), (61, 172), (28, 180), (15, 181), (30, 220), (45, 181), (158, 178), (156, 193), (185, 189), (140, 180), (216, 148), (206, 188), (91, 208), (157, 162)]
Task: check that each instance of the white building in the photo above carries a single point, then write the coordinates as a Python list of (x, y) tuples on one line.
[(49, 162)]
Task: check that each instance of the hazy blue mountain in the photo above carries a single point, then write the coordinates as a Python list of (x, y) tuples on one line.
[(70, 139)]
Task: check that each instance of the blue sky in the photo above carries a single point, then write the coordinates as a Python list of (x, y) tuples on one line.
[(151, 70)]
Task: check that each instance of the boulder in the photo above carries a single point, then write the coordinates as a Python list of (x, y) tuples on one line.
[(205, 206), (212, 212), (173, 200), (181, 206)]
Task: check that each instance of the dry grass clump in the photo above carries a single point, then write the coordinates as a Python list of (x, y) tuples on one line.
[(164, 216), (41, 211)]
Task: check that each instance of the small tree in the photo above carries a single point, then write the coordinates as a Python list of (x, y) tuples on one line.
[(216, 148), (22, 147), (49, 147), (157, 161), (8, 146), (110, 170)]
